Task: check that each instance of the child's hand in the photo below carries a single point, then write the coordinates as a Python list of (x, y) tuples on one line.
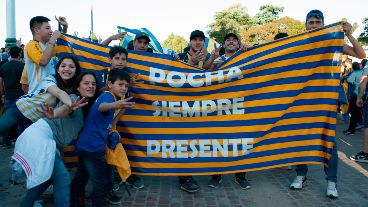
[(47, 111), (79, 103), (55, 35), (135, 80), (62, 21), (124, 104)]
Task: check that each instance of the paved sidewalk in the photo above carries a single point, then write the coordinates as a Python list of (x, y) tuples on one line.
[(269, 187)]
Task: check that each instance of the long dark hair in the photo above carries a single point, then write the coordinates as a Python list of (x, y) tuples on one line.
[(67, 87), (77, 81)]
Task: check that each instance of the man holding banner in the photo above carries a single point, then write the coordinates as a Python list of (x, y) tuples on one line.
[(315, 20), (231, 44)]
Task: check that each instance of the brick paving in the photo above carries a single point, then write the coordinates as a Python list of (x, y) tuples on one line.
[(269, 187)]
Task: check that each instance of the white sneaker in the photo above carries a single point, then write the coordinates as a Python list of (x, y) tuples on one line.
[(298, 182), (331, 190)]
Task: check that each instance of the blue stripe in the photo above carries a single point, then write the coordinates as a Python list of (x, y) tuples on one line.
[(270, 71), (231, 159), (239, 148), (85, 49), (234, 123), (329, 36), (231, 168), (237, 88), (247, 109), (254, 134)]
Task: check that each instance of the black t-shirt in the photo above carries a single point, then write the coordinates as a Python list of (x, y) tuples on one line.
[(11, 73)]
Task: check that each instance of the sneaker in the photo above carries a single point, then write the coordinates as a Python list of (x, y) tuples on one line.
[(242, 182), (113, 198), (347, 132), (359, 127), (39, 203), (298, 183), (135, 181), (215, 181), (331, 190), (116, 185), (189, 186), (360, 157)]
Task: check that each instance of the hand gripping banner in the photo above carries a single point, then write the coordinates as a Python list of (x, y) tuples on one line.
[(272, 106)]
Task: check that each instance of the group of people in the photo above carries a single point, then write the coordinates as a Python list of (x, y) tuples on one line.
[(54, 106)]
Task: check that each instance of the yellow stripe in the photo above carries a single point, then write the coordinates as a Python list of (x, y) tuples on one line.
[(143, 143), (229, 172), (87, 45), (228, 163), (248, 116), (268, 102), (238, 129), (256, 149), (245, 81), (84, 54), (284, 42), (267, 89), (71, 159)]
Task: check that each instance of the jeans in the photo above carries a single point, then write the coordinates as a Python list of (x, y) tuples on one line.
[(330, 170), (355, 114), (60, 179), (11, 117), (94, 165), (13, 131)]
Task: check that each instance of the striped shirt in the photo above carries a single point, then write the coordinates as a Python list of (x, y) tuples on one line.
[(30, 105)]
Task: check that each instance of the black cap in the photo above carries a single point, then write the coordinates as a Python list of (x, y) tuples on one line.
[(142, 35), (315, 13), (231, 34), (197, 33)]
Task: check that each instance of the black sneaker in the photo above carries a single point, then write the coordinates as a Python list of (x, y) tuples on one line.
[(360, 157), (242, 182), (135, 181), (215, 181), (113, 198), (189, 186)]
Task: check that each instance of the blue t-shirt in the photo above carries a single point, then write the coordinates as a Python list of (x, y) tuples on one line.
[(93, 136)]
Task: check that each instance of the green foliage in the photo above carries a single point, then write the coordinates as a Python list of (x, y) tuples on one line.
[(267, 14), (363, 37), (265, 33), (234, 19), (175, 42)]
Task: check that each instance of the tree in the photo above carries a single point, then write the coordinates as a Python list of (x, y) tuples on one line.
[(175, 42), (265, 33), (267, 13), (363, 37), (234, 19)]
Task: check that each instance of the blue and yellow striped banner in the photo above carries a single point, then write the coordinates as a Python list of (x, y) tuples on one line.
[(272, 106)]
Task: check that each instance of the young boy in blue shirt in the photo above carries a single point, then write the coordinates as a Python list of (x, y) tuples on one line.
[(93, 137)]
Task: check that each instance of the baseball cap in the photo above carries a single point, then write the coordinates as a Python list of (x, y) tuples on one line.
[(142, 35), (315, 13), (231, 34), (197, 33)]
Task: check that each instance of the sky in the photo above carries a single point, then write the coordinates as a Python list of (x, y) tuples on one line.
[(161, 17)]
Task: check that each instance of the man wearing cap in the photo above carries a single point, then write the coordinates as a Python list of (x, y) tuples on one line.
[(141, 41), (197, 55), (315, 20), (231, 44)]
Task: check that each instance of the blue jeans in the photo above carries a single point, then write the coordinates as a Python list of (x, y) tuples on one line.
[(93, 164), (330, 170), (60, 179), (11, 117)]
